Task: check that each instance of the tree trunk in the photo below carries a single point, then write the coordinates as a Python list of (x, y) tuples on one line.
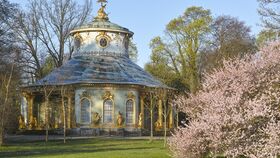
[(3, 110), (64, 120), (152, 132), (151, 112), (47, 120), (177, 117), (2, 136), (165, 124)]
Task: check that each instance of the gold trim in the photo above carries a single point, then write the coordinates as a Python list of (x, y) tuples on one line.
[(85, 94), (108, 95), (130, 95), (101, 29), (104, 36)]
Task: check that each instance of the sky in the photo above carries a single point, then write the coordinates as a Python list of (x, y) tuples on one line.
[(148, 18)]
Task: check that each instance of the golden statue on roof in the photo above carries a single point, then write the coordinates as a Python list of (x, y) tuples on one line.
[(102, 1), (101, 14)]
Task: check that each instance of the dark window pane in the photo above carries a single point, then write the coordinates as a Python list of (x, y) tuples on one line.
[(108, 110), (129, 111), (85, 111)]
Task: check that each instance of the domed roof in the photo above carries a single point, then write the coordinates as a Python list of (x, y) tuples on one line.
[(100, 69), (102, 25)]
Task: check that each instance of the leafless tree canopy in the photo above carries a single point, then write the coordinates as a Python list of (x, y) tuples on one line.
[(269, 10), (43, 30)]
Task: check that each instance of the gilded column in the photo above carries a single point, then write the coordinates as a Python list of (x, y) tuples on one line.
[(160, 112), (30, 101), (171, 121), (142, 112)]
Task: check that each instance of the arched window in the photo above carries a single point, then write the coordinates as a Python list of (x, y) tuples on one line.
[(108, 111), (129, 111), (85, 111)]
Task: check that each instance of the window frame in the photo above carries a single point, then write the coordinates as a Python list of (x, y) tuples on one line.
[(89, 112), (132, 111), (112, 111)]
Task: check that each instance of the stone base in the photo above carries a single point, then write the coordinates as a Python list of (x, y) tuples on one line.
[(120, 132)]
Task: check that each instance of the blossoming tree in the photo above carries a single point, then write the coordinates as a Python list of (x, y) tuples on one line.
[(237, 112)]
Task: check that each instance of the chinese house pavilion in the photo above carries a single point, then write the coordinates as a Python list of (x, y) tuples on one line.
[(99, 90)]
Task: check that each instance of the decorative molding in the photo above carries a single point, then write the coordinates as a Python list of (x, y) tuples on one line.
[(85, 94), (98, 53), (108, 95), (130, 95)]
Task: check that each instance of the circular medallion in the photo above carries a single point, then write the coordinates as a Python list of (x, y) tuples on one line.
[(103, 42)]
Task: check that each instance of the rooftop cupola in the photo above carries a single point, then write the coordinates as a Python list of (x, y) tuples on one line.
[(101, 37)]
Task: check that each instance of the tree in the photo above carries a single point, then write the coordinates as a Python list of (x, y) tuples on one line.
[(63, 92), (47, 91), (265, 37), (27, 36), (5, 90), (166, 112), (9, 70), (229, 38), (237, 111), (269, 11), (48, 66), (150, 105), (54, 19), (179, 48), (132, 51)]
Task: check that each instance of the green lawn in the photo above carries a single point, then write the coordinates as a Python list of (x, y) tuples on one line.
[(92, 148)]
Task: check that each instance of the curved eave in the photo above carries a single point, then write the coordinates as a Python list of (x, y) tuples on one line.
[(101, 29), (115, 84)]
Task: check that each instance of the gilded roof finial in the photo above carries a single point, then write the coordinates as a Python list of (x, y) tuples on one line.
[(101, 14)]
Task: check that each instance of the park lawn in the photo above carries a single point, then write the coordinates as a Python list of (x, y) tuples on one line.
[(92, 148)]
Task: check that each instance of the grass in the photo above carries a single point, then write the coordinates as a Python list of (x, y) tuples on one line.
[(94, 147)]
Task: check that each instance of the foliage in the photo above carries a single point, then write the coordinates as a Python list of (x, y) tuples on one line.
[(132, 51), (177, 51), (9, 71), (229, 38), (236, 112), (196, 42), (265, 37), (48, 66)]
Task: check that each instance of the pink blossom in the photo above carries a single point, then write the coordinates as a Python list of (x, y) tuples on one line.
[(237, 111)]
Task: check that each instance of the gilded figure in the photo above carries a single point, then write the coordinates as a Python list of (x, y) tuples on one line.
[(35, 122), (101, 12), (140, 121), (96, 118), (31, 122), (158, 125), (21, 123), (120, 119)]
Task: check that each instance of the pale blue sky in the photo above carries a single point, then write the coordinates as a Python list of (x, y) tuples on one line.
[(147, 18)]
